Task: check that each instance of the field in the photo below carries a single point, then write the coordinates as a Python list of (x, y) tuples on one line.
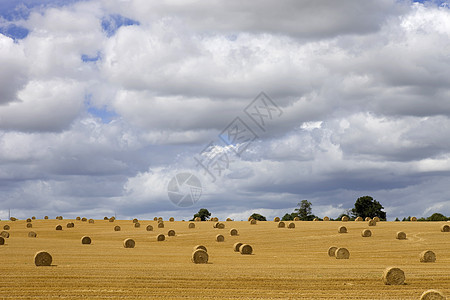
[(286, 263)]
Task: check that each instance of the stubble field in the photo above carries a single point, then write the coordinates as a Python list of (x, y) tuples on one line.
[(286, 263)]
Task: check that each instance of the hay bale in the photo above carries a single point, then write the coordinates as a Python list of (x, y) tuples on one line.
[(215, 219), (135, 220), (366, 233), (316, 219), (149, 228), (358, 219), (137, 225), (344, 219), (160, 219), (367, 219), (13, 219), (29, 225), (252, 222), (85, 240), (291, 225), (171, 219), (376, 219), (413, 219), (246, 249), (276, 219), (236, 247), (200, 247), (401, 235), (129, 243), (445, 228), (78, 218), (58, 227), (393, 276), (28, 220), (234, 232), (91, 221), (161, 225), (229, 220), (342, 253), (2, 240), (281, 224), (220, 238), (112, 219), (70, 225), (42, 258), (4, 234), (372, 223), (427, 256), (296, 219), (332, 251), (200, 256), (432, 295), (342, 229), (249, 219), (117, 228), (83, 219), (326, 218), (155, 219), (106, 218), (6, 227), (33, 218), (191, 225), (171, 232), (161, 237), (46, 218), (198, 219), (32, 234), (215, 224), (220, 225)]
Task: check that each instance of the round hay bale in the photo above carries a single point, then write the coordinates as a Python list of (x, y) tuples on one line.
[(91, 221), (191, 225), (13, 219), (106, 218), (171, 219), (215, 219), (344, 219), (229, 220), (4, 234), (200, 256), (70, 225), (366, 233), (281, 224), (236, 247), (161, 225), (161, 237), (117, 228), (200, 247), (401, 235), (342, 229), (78, 218), (28, 220), (342, 253), (276, 219), (85, 240), (129, 243), (332, 251), (215, 225), (367, 219), (358, 219), (42, 258), (220, 225), (112, 219), (83, 219), (46, 218), (171, 232), (413, 219), (250, 218), (445, 228), (29, 225), (372, 223), (376, 219), (427, 256), (393, 276), (58, 227), (149, 228), (6, 227), (160, 219), (33, 218), (432, 295), (137, 225), (198, 219), (316, 219), (291, 225), (220, 238), (233, 232), (32, 234), (246, 249), (2, 240), (326, 218), (135, 220), (252, 222), (296, 219), (155, 219)]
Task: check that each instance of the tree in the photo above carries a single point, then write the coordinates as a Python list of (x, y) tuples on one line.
[(258, 217), (203, 213), (437, 217), (289, 217), (304, 210), (366, 206)]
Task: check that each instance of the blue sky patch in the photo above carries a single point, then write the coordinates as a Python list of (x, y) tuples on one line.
[(12, 10), (112, 23), (14, 32), (87, 58)]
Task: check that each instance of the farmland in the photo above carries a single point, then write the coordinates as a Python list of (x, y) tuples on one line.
[(286, 262)]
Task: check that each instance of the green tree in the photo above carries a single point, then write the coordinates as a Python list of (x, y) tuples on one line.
[(258, 217), (203, 213), (437, 217), (366, 206), (304, 210), (289, 217)]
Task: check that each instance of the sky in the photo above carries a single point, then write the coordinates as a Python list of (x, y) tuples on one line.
[(143, 108)]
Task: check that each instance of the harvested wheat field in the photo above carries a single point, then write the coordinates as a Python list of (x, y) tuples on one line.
[(285, 263)]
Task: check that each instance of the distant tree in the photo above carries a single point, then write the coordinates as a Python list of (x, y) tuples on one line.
[(396, 220), (258, 217), (203, 213), (289, 217), (437, 217), (406, 219), (304, 210), (366, 206)]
